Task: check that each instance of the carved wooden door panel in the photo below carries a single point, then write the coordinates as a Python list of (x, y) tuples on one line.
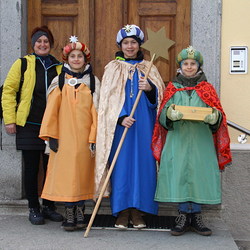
[(174, 16), (64, 18), (112, 15), (96, 23)]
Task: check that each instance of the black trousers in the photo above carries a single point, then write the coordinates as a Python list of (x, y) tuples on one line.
[(32, 159)]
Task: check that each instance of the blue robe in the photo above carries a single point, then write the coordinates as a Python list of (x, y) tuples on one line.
[(133, 180)]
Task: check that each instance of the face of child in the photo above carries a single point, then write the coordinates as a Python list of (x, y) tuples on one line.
[(76, 61), (189, 67), (42, 46), (130, 47)]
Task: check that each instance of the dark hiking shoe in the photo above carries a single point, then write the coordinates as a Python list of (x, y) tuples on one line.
[(182, 224), (136, 219), (197, 225), (36, 217), (69, 221), (49, 212), (79, 217), (122, 220)]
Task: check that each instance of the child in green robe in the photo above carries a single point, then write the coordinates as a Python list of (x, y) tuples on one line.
[(191, 152)]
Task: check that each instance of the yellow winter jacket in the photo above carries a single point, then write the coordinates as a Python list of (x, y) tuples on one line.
[(11, 87)]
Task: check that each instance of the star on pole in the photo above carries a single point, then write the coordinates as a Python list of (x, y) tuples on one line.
[(158, 43)]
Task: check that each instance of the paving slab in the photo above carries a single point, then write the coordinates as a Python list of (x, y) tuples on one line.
[(16, 232)]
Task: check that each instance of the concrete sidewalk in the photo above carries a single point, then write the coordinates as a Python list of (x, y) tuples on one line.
[(16, 232)]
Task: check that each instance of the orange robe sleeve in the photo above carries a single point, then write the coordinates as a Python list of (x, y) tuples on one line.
[(93, 129), (50, 122)]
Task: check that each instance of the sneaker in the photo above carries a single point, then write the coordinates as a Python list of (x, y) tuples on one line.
[(79, 217), (36, 217), (136, 219), (182, 224), (197, 225), (69, 221), (49, 212), (122, 220)]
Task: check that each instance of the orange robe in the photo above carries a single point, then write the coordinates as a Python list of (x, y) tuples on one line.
[(71, 118)]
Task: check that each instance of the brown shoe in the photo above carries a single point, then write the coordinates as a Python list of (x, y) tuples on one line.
[(137, 219), (122, 220)]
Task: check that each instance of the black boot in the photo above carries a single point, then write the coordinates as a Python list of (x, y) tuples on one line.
[(69, 221), (79, 217), (182, 224), (35, 216), (198, 226), (49, 212)]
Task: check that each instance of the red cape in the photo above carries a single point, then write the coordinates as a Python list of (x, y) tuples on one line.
[(208, 94)]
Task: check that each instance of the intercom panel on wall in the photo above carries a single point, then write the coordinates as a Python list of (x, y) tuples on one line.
[(238, 59)]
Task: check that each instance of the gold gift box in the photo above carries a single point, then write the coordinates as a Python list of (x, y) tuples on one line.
[(193, 113)]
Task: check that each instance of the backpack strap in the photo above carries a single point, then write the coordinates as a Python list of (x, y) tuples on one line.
[(23, 69), (92, 83), (61, 80)]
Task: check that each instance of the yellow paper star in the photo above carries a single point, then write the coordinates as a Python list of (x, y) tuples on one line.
[(158, 43)]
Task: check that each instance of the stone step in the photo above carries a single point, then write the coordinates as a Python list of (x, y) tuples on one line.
[(20, 207), (15, 212)]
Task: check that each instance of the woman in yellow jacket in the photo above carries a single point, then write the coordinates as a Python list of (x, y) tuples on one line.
[(24, 118)]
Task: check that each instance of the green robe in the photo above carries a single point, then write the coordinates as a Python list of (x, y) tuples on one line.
[(189, 168)]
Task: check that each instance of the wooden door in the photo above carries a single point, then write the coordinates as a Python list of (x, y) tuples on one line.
[(96, 23), (64, 18), (174, 16)]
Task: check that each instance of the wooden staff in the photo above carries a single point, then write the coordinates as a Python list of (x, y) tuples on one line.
[(115, 156)]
